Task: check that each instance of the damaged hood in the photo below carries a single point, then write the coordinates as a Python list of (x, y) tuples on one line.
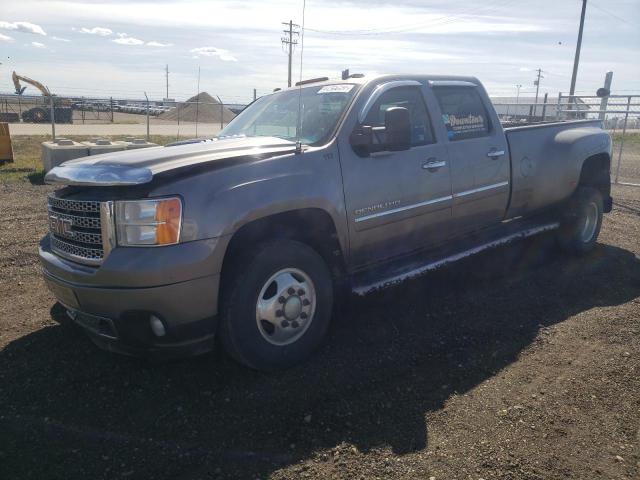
[(135, 167)]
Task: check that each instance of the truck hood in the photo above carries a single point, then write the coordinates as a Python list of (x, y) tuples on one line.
[(135, 167)]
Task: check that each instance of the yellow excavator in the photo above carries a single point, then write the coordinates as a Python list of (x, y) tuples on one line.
[(41, 114)]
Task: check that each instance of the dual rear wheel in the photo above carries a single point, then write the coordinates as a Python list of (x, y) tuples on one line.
[(580, 227)]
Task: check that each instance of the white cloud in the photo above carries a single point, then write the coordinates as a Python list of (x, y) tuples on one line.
[(213, 52), (25, 27), (58, 39), (124, 39), (158, 44), (524, 69), (101, 31), (5, 38), (473, 44), (38, 45)]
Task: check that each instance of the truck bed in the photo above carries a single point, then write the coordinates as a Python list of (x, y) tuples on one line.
[(546, 160)]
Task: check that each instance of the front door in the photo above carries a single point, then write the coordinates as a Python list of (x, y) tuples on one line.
[(397, 202), (478, 155)]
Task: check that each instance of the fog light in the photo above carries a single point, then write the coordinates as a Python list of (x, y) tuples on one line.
[(157, 327)]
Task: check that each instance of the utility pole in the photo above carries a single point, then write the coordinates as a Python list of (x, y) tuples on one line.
[(576, 59), (289, 42), (518, 87), (537, 84), (166, 72)]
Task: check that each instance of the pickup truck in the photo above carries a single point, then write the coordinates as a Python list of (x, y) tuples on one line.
[(246, 238)]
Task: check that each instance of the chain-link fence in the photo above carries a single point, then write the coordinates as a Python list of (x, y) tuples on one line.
[(84, 118), (77, 117), (620, 115)]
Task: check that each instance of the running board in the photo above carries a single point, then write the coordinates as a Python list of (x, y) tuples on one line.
[(385, 276)]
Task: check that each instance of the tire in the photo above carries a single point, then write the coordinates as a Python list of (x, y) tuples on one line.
[(581, 224), (39, 115), (294, 286)]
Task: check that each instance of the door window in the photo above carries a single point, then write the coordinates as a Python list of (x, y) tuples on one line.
[(463, 112), (411, 99)]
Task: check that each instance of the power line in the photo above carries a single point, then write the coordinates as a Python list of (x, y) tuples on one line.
[(439, 21), (610, 13), (289, 41)]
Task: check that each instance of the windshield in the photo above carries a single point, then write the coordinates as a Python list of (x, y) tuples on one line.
[(276, 115)]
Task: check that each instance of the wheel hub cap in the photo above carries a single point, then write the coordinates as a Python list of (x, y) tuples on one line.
[(293, 308), (285, 306), (590, 223)]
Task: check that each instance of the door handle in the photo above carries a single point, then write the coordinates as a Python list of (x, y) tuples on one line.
[(495, 154), (433, 165)]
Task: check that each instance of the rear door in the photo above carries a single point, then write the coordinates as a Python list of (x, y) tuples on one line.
[(478, 156), (398, 201)]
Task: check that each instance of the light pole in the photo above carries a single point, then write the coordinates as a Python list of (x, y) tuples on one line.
[(518, 87)]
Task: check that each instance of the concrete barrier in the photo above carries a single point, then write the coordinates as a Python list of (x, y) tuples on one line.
[(99, 146), (133, 143), (55, 153)]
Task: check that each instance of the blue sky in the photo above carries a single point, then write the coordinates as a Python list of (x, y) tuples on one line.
[(120, 48)]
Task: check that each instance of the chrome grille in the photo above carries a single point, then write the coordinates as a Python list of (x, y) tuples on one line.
[(75, 230), (82, 222), (88, 206), (75, 252)]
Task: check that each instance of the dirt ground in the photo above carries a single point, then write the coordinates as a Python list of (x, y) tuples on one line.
[(518, 364)]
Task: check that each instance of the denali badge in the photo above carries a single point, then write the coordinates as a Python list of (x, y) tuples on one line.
[(377, 207), (60, 226)]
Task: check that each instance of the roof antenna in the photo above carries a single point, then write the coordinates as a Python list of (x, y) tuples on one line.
[(299, 119)]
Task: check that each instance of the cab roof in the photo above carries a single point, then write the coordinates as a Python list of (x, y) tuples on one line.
[(376, 79)]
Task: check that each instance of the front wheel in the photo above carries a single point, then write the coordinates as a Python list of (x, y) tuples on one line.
[(580, 227), (277, 306)]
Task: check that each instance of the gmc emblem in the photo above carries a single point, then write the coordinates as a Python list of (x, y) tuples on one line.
[(60, 226)]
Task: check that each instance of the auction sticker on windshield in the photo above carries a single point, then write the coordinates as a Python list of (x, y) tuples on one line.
[(340, 88)]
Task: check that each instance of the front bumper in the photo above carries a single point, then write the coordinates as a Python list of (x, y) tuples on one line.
[(117, 318)]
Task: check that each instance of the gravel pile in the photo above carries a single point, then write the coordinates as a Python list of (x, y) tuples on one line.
[(202, 108)]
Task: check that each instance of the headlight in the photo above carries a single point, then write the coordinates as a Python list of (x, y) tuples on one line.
[(149, 222)]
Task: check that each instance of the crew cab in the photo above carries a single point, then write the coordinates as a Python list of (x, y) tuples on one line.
[(364, 182)]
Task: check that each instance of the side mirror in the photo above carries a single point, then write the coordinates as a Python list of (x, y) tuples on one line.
[(361, 140), (397, 126)]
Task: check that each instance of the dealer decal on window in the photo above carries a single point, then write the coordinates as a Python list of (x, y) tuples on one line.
[(463, 125), (340, 88)]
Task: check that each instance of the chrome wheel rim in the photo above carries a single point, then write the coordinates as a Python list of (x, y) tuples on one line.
[(285, 307), (590, 222)]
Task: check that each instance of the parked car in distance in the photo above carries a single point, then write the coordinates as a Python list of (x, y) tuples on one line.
[(244, 237)]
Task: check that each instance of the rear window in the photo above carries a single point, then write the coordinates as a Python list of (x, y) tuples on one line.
[(463, 112)]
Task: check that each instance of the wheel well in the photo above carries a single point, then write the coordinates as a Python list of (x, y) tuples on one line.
[(311, 226), (596, 173)]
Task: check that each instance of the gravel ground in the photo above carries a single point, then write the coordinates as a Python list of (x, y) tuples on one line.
[(517, 364)]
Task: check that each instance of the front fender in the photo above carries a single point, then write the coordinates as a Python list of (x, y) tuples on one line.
[(218, 203)]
